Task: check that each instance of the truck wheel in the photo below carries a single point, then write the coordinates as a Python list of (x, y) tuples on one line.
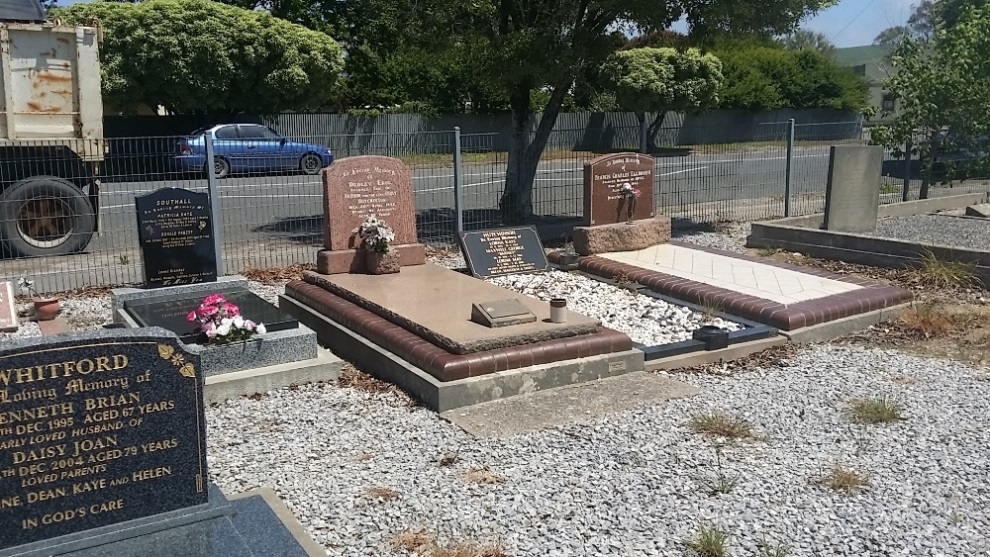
[(45, 215)]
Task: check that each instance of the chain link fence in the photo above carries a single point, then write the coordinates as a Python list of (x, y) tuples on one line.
[(270, 196)]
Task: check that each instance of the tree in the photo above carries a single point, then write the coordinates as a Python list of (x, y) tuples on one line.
[(662, 79), (920, 25), (803, 39), (543, 45), (199, 56), (940, 87)]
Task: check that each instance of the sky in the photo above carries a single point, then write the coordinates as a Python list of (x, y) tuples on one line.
[(857, 22)]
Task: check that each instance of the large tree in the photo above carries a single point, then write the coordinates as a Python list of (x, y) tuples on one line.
[(530, 45), (802, 39), (199, 56), (663, 79), (944, 103), (920, 25)]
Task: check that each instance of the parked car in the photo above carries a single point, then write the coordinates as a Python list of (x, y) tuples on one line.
[(250, 148)]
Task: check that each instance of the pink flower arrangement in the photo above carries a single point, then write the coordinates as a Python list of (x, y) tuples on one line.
[(221, 321), (630, 191)]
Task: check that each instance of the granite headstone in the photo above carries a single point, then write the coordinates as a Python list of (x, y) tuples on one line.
[(503, 251), (8, 313), (96, 430), (175, 230), (357, 187), (604, 180), (852, 194)]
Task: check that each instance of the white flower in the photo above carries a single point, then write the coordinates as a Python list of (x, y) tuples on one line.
[(627, 187), (226, 321), (238, 322), (260, 329), (224, 329)]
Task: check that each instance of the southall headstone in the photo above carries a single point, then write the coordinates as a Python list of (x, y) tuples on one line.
[(175, 230), (503, 251), (8, 313), (618, 188), (356, 188)]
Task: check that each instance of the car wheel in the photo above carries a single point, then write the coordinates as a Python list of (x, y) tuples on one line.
[(311, 164), (221, 168), (45, 215)]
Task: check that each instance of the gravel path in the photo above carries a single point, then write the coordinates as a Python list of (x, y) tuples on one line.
[(634, 484), (940, 230), (646, 320)]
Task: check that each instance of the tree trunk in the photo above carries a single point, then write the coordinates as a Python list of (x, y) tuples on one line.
[(928, 166), (653, 130), (516, 204)]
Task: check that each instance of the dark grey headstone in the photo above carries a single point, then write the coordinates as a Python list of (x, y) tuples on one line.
[(503, 251), (175, 230), (97, 429), (852, 196)]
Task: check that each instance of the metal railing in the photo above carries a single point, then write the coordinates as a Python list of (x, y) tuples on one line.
[(270, 204)]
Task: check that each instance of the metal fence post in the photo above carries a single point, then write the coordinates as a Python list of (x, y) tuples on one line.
[(458, 185), (906, 194), (644, 131), (790, 168), (214, 189)]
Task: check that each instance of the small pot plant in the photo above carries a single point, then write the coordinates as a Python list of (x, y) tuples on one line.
[(46, 308), (376, 241), (221, 322)]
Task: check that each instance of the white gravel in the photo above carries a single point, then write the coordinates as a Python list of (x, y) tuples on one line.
[(942, 230), (727, 236), (633, 484), (646, 320)]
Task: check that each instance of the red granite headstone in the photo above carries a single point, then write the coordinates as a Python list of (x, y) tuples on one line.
[(8, 314), (356, 187), (604, 180)]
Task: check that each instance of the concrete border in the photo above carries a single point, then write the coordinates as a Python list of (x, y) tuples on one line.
[(442, 396), (324, 367), (841, 327), (733, 352), (286, 517)]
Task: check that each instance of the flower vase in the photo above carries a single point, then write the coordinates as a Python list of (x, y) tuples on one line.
[(46, 309), (379, 263)]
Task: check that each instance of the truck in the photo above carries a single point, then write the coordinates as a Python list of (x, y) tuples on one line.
[(51, 132)]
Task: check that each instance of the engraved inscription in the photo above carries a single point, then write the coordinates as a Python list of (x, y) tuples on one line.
[(89, 435), (176, 235), (605, 179), (504, 251)]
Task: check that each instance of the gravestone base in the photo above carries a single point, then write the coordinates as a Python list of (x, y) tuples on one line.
[(335, 262), (978, 210), (637, 235)]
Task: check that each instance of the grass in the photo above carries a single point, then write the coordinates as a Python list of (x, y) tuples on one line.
[(927, 321), (422, 544), (888, 188), (768, 252), (938, 273), (880, 410), (720, 484), (710, 308), (844, 479), (709, 542), (483, 476), (383, 493), (768, 549), (717, 424)]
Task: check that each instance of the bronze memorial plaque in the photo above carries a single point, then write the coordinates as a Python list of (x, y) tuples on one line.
[(618, 188)]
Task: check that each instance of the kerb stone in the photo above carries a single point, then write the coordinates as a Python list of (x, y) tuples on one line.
[(641, 234)]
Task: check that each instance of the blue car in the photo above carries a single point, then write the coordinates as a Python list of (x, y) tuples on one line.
[(250, 148)]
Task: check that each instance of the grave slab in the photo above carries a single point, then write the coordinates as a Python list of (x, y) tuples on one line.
[(435, 303)]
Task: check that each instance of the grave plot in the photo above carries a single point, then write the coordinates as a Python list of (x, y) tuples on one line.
[(658, 325)]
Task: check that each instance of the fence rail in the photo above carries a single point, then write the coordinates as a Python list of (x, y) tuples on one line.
[(271, 210)]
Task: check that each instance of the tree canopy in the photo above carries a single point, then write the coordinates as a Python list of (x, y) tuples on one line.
[(801, 39), (662, 79), (940, 87), (199, 56)]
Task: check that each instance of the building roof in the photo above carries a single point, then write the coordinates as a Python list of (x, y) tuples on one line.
[(861, 55)]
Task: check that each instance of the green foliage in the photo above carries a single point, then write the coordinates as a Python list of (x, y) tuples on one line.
[(770, 77), (196, 56), (940, 85), (802, 39), (662, 79)]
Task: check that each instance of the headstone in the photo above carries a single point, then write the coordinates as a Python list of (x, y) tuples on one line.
[(503, 251), (501, 313), (356, 187), (8, 313), (175, 230), (170, 313), (852, 196), (604, 178), (97, 430), (978, 210)]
